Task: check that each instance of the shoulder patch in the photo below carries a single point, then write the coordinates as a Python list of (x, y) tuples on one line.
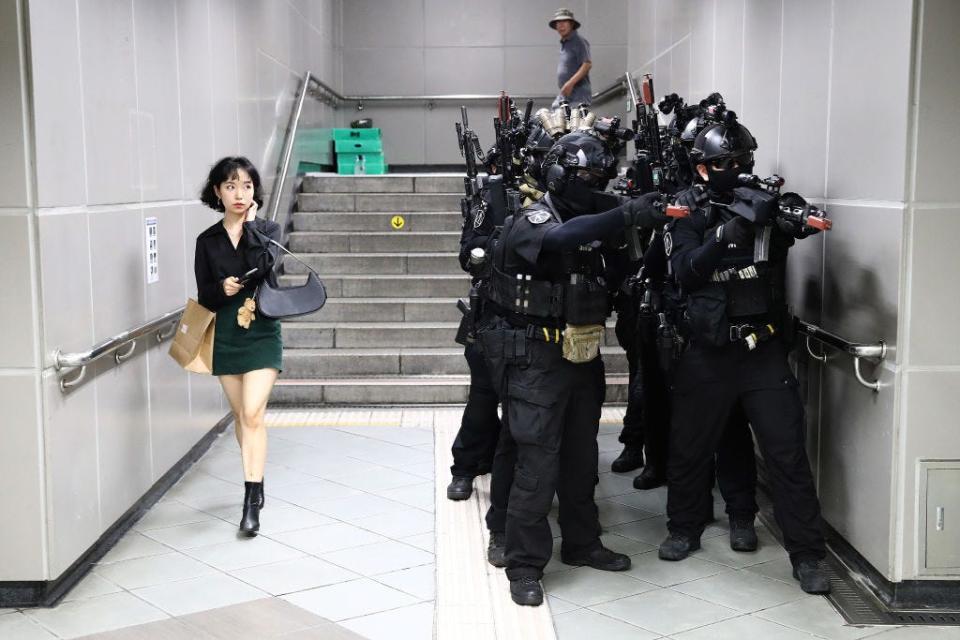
[(668, 243), (538, 216), (479, 217)]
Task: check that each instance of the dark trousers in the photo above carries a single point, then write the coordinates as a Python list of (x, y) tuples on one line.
[(501, 479), (709, 382), (553, 408), (476, 441), (627, 337), (737, 467)]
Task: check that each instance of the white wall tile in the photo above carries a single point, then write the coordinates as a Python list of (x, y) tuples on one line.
[(760, 110), (609, 64), (934, 313), (803, 106), (701, 52), (224, 80), (641, 35), (728, 52), (157, 93), (856, 455), (607, 21), (21, 458), (58, 118), (13, 178), (938, 102), (464, 23), (172, 432), (397, 71), (65, 283), (445, 70), (117, 265), (110, 101), (196, 111), (123, 432), (70, 441), (371, 23), (18, 340), (531, 70), (879, 32), (403, 132)]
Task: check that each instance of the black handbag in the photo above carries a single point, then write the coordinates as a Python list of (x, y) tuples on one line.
[(289, 302)]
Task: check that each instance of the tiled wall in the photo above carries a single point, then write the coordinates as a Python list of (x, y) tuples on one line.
[(826, 86), (424, 47), (132, 101)]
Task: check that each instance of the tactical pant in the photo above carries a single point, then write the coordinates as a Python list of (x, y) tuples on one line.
[(653, 393), (553, 408), (707, 385), (476, 441), (501, 479), (627, 337), (737, 467)]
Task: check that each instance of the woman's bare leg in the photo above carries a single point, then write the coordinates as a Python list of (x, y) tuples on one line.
[(233, 389), (256, 391)]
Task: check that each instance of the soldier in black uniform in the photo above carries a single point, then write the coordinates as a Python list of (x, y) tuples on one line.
[(476, 441), (548, 280), (731, 271)]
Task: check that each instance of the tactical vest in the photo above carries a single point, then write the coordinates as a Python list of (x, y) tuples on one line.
[(574, 294)]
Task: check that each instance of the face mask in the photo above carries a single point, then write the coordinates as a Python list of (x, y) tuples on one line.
[(727, 180)]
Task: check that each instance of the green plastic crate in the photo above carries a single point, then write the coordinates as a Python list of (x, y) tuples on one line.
[(373, 163), (358, 146), (356, 134)]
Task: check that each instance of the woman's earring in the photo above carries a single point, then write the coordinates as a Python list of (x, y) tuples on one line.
[(219, 203)]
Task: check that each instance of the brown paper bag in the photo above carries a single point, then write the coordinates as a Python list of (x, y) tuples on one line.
[(192, 345)]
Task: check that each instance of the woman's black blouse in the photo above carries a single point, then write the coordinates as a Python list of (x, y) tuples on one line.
[(216, 259)]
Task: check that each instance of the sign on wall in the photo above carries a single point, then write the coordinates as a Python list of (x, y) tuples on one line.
[(153, 262)]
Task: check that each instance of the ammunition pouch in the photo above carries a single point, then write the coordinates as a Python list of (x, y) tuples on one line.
[(581, 343), (749, 297), (466, 330), (706, 316), (585, 303)]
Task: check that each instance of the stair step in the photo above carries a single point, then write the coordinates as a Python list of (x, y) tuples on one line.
[(345, 362), (391, 183), (375, 263), (372, 242), (392, 202), (387, 310), (390, 286), (302, 334), (378, 221), (396, 390)]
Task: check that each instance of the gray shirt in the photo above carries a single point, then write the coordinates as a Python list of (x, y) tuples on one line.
[(574, 51)]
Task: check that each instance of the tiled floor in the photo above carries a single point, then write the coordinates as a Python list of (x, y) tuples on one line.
[(347, 551)]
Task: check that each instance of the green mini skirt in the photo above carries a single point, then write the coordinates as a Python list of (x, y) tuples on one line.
[(237, 350)]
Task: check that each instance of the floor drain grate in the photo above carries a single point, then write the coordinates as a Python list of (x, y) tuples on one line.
[(925, 617)]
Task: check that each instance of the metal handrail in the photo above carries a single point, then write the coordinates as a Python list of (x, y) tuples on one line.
[(111, 345), (329, 95), (873, 351)]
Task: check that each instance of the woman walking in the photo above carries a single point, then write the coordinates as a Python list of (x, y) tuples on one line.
[(232, 257)]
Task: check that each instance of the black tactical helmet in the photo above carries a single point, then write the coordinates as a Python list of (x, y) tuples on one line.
[(578, 158), (722, 143)]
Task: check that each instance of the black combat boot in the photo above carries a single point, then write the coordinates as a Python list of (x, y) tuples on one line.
[(250, 521), (497, 549), (650, 478), (460, 488), (677, 547), (263, 495), (813, 579), (629, 459), (600, 558), (526, 590), (743, 535)]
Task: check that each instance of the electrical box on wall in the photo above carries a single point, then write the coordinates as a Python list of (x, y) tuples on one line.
[(940, 526)]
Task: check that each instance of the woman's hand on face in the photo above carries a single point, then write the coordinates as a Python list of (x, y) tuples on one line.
[(252, 211), (232, 286)]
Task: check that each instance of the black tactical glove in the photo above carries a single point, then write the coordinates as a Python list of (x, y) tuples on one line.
[(738, 231), (645, 211)]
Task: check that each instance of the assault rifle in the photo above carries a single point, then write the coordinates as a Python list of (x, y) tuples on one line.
[(471, 151), (511, 130), (646, 171)]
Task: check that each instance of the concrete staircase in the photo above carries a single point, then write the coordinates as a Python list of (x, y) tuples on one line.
[(386, 333)]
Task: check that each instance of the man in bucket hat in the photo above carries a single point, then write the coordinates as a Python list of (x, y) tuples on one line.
[(574, 67)]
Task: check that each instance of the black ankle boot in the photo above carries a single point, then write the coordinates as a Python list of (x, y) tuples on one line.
[(629, 459), (263, 495), (252, 495)]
